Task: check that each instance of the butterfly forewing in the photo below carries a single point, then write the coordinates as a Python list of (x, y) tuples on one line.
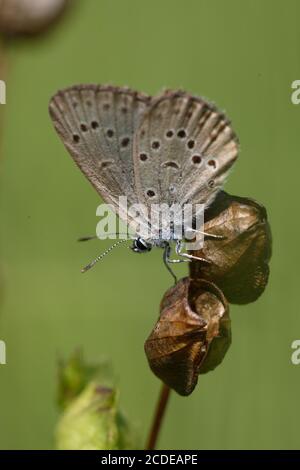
[(97, 125), (183, 150)]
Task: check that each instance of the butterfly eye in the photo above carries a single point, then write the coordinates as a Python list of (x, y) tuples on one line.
[(141, 246), (211, 184)]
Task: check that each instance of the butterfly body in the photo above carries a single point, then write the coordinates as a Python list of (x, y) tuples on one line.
[(172, 150)]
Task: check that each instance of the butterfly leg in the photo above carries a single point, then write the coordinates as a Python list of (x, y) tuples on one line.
[(209, 235), (178, 250), (168, 261)]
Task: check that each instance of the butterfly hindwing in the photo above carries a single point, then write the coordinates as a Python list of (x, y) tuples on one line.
[(183, 150)]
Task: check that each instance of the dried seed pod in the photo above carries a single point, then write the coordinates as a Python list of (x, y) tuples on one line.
[(29, 16), (191, 336), (239, 261)]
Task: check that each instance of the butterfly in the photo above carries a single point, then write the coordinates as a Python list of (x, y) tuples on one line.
[(174, 148)]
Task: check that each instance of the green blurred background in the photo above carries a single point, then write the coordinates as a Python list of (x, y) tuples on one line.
[(242, 55)]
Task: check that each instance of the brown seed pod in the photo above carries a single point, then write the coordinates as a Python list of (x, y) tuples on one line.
[(29, 16), (239, 261), (191, 336)]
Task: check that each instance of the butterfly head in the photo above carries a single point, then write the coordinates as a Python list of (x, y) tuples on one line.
[(140, 245)]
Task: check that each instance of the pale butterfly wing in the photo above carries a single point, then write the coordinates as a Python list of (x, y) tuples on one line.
[(97, 124), (183, 151)]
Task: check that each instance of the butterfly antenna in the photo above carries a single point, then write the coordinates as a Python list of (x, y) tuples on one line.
[(90, 265), (94, 237), (86, 239)]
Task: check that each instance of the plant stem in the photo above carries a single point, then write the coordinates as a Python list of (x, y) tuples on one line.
[(158, 416)]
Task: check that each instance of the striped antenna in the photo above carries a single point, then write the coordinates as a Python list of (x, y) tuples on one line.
[(94, 237), (90, 265)]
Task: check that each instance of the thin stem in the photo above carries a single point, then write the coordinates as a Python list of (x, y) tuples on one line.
[(158, 416)]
